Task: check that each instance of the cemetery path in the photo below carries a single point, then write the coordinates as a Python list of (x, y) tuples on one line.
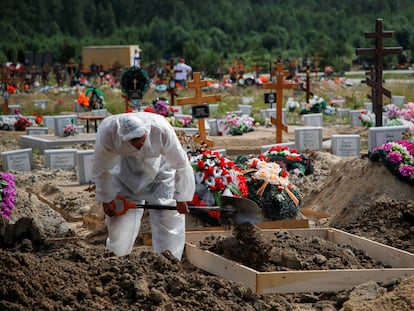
[(70, 270)]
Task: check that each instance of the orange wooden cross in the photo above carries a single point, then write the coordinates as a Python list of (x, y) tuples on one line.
[(279, 85), (197, 84)]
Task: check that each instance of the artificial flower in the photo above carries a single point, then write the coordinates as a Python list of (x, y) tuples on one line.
[(397, 157), (7, 194)]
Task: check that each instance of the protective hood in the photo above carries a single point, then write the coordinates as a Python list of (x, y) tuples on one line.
[(131, 127)]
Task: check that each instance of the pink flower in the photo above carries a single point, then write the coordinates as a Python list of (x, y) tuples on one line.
[(395, 157)]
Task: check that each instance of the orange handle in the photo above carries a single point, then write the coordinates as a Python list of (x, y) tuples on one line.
[(126, 205)]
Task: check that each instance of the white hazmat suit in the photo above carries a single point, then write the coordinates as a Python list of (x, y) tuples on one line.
[(159, 173)]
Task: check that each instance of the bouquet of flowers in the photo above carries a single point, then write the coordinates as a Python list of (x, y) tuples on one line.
[(7, 194), (83, 100), (398, 158), (21, 124), (70, 130), (238, 125), (215, 176), (38, 119), (161, 106), (393, 115), (184, 121), (269, 184), (367, 118)]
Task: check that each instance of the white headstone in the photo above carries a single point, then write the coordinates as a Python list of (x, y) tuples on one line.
[(398, 100), (213, 127), (222, 127), (40, 104), (368, 107), (37, 130), (60, 158), (290, 144), (245, 109), (308, 138), (346, 145), (99, 112), (355, 117), (15, 109), (18, 160), (79, 108), (247, 100), (49, 121), (178, 109), (62, 121), (86, 160), (313, 119), (381, 135), (343, 112)]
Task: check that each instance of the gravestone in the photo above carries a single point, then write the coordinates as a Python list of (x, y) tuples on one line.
[(368, 107), (178, 109), (37, 130), (381, 135), (222, 127), (60, 158), (214, 130), (62, 121), (49, 122), (313, 119), (14, 109), (247, 100), (398, 100), (270, 113), (18, 160), (346, 145), (245, 109), (308, 138), (78, 107), (99, 112), (355, 117), (343, 113), (290, 144), (40, 104), (86, 160)]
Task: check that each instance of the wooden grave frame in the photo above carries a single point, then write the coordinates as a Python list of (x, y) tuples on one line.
[(402, 264)]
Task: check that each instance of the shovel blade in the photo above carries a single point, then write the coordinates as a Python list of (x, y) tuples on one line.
[(238, 210)]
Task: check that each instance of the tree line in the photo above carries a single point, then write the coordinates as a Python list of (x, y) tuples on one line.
[(208, 33)]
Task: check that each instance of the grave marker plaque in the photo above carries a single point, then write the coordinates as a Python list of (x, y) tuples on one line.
[(308, 138), (60, 158), (381, 135), (346, 145), (85, 163), (18, 160)]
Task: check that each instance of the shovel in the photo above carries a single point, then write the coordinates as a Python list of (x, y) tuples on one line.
[(232, 210)]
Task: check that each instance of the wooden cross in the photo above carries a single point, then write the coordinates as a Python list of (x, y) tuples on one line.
[(197, 84), (307, 88), (6, 79), (279, 85), (379, 51)]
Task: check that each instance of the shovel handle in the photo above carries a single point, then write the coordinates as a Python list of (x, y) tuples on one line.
[(126, 205)]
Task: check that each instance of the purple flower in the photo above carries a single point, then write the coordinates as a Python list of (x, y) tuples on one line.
[(393, 112), (406, 170), (394, 157), (7, 194)]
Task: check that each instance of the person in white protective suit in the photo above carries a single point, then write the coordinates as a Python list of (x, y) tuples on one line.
[(138, 156)]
